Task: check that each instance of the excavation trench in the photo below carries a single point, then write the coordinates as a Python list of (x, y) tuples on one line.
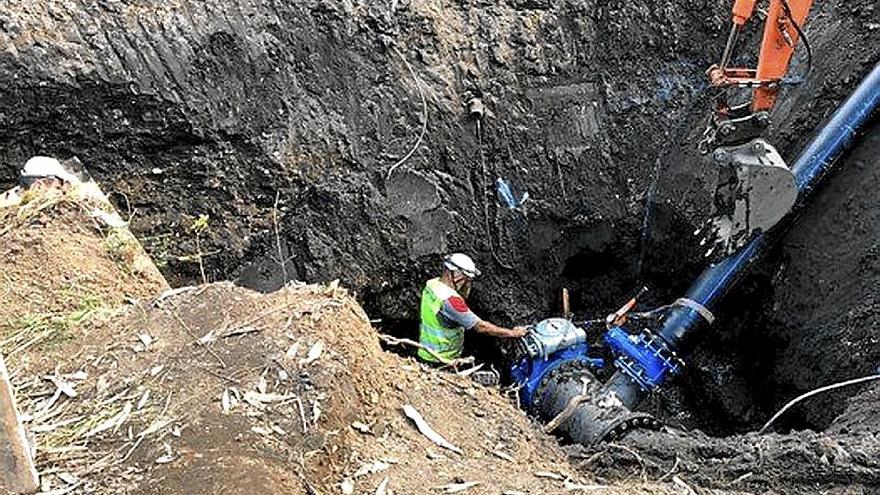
[(282, 124)]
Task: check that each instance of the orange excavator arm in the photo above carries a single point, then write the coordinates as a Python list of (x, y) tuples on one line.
[(782, 30), (754, 188)]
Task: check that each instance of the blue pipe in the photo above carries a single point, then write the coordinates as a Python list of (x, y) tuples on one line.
[(814, 162)]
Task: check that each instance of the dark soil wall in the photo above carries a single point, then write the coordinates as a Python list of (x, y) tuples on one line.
[(187, 107)]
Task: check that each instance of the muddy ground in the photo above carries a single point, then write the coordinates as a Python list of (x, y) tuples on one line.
[(281, 122)]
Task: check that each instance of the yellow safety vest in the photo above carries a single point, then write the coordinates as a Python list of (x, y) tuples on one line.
[(444, 341)]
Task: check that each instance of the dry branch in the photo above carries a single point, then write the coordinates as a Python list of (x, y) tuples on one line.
[(454, 363)]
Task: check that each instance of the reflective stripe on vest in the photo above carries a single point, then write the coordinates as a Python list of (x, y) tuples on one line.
[(445, 342)]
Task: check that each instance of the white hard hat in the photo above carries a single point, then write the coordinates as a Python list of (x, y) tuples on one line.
[(462, 263), (44, 166)]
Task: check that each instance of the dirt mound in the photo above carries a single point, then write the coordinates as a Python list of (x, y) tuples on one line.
[(60, 266), (303, 430), (54, 251), (221, 389)]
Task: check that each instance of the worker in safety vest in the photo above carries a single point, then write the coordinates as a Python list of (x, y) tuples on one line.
[(446, 316)]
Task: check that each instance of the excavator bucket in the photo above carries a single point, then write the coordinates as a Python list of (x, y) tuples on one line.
[(755, 190)]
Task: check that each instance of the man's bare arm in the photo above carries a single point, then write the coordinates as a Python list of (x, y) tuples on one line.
[(488, 328)]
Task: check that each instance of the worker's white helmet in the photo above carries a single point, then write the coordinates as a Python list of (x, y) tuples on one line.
[(40, 167), (462, 263)]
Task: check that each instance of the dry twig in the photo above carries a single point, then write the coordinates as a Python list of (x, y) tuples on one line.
[(454, 363), (194, 336)]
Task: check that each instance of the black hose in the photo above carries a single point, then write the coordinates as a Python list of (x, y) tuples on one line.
[(802, 36)]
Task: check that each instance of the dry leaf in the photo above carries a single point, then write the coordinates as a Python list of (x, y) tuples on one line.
[(144, 398), (225, 401), (165, 459), (292, 351), (102, 386), (371, 468), (502, 455), (68, 478), (207, 338), (113, 422), (155, 370), (361, 427), (548, 474), (426, 429), (383, 486), (260, 430), (79, 375), (314, 353), (470, 371), (155, 426), (262, 385), (316, 412), (62, 386), (146, 340)]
